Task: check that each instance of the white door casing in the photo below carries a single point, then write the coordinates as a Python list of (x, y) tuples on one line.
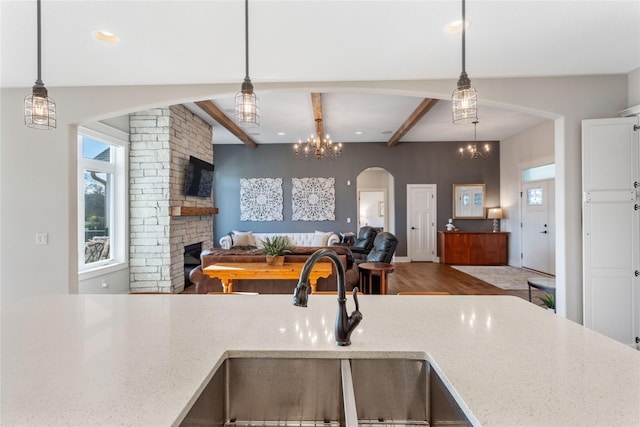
[(421, 222), (538, 225)]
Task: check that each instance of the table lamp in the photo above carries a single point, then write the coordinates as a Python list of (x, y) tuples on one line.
[(495, 214)]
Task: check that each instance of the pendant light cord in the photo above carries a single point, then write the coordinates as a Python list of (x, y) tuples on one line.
[(246, 37), (39, 81), (464, 26)]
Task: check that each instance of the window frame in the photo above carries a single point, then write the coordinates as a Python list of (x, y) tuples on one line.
[(119, 197)]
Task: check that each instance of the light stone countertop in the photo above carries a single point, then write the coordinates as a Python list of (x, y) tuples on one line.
[(141, 360)]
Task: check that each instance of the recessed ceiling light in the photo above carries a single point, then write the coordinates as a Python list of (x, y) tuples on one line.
[(106, 36), (359, 132), (455, 27), (281, 133)]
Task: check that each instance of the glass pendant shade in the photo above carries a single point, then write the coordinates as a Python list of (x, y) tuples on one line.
[(39, 109), (247, 106)]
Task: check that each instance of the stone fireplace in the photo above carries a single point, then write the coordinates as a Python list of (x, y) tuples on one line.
[(162, 139)]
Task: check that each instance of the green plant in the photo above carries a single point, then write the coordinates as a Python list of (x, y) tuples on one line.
[(548, 300), (276, 246)]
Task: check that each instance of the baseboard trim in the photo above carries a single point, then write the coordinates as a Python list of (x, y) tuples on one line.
[(401, 259)]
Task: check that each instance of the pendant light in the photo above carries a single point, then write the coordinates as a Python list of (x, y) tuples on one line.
[(247, 104), (39, 109), (465, 97)]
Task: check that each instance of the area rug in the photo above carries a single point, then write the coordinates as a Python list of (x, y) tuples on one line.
[(503, 276)]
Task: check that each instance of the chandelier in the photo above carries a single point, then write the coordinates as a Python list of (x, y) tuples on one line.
[(39, 109), (465, 97), (472, 150), (247, 103), (318, 146)]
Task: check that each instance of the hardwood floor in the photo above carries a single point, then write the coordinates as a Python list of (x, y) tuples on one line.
[(433, 277)]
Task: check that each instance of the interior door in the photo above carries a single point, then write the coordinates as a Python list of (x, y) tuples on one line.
[(538, 230), (611, 227), (421, 222)]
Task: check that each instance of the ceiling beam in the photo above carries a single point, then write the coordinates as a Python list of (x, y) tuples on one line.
[(424, 107), (316, 102), (217, 115)]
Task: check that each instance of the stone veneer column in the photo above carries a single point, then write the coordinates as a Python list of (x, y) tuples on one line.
[(189, 136), (149, 225), (162, 140)]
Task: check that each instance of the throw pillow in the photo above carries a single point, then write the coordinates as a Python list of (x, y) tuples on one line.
[(242, 238), (321, 238)]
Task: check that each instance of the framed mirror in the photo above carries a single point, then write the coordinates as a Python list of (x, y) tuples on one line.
[(468, 201)]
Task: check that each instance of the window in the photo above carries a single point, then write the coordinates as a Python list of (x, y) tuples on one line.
[(539, 173), (102, 200), (534, 196)]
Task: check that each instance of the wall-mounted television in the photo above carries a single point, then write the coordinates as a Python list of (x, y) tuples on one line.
[(199, 179)]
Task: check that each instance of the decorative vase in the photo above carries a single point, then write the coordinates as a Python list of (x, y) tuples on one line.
[(275, 260)]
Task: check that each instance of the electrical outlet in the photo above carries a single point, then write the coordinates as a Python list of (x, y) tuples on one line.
[(104, 284), (42, 239)]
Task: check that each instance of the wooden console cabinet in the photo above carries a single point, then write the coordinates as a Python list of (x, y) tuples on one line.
[(472, 248)]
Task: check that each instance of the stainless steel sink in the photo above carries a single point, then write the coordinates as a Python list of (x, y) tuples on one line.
[(402, 392), (325, 392)]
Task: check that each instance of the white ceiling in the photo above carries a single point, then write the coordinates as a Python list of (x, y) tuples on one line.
[(192, 42)]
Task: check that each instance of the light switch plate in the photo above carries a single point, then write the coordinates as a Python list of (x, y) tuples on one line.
[(42, 239)]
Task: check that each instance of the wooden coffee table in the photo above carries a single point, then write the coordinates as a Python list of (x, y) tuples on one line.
[(227, 272), (370, 269)]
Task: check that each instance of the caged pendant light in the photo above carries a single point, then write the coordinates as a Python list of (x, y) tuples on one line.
[(39, 109), (247, 103), (465, 97)]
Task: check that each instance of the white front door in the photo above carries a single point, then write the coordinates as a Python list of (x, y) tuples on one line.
[(421, 222), (538, 230)]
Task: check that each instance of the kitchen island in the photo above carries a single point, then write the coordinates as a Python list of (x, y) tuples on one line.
[(142, 360)]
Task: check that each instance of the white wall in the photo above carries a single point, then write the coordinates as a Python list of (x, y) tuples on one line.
[(115, 282), (379, 178), (534, 147), (368, 208), (634, 88), (37, 168)]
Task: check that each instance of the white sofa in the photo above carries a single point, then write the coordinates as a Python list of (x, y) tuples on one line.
[(249, 238)]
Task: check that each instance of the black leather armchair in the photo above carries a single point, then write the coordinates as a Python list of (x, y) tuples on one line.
[(384, 246), (364, 243)]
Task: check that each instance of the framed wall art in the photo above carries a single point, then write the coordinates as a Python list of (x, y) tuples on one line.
[(261, 199), (313, 199)]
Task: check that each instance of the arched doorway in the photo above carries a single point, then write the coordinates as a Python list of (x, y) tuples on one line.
[(376, 199)]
